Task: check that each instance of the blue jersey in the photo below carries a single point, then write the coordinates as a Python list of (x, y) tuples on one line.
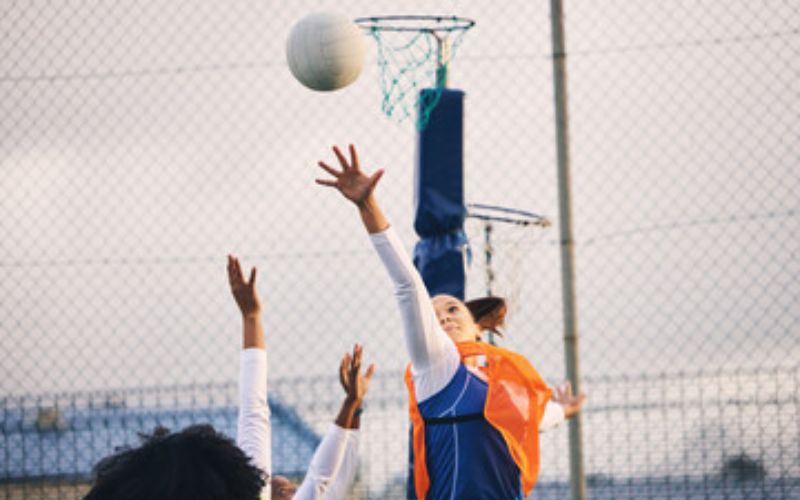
[(467, 458)]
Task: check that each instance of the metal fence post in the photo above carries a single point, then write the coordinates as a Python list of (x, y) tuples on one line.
[(577, 478)]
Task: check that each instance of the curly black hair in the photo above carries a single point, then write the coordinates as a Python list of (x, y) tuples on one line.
[(197, 463)]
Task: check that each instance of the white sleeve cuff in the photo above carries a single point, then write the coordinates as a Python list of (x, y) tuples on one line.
[(253, 355), (553, 415), (383, 235)]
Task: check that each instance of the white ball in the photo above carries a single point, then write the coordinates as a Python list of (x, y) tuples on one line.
[(325, 51)]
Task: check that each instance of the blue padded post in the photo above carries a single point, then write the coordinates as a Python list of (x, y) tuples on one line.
[(439, 195)]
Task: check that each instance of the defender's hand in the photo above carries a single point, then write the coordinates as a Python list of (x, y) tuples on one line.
[(244, 292), (355, 384)]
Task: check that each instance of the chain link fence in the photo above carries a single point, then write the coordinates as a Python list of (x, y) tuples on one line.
[(144, 141)]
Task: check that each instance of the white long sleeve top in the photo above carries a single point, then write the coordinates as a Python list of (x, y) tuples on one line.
[(434, 356), (333, 466)]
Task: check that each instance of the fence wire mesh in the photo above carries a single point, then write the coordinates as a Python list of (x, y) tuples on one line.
[(143, 141)]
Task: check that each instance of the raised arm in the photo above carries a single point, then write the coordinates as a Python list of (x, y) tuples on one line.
[(434, 357), (254, 433), (335, 460)]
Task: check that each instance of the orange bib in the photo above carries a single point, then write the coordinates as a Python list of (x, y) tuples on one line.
[(515, 402)]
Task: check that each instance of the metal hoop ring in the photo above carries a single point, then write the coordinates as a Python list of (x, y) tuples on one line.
[(507, 215), (415, 23)]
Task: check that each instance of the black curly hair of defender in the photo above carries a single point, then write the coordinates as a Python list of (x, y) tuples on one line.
[(197, 463)]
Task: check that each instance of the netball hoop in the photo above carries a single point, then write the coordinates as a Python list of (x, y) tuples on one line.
[(508, 234), (414, 53)]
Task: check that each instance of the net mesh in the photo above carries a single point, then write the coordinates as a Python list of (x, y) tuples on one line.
[(410, 60)]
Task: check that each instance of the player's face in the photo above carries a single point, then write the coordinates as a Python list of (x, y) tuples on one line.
[(282, 488), (455, 319)]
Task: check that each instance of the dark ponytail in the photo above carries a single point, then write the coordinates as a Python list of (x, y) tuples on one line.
[(489, 313)]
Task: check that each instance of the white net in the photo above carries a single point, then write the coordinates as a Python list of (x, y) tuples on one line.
[(503, 246), (414, 54)]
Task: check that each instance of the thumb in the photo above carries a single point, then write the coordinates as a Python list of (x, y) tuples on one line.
[(373, 180), (252, 280), (370, 371)]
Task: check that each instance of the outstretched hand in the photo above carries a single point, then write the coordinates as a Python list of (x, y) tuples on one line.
[(351, 181), (355, 384), (570, 402), (244, 291)]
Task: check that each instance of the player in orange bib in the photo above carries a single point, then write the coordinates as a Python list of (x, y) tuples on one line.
[(475, 424)]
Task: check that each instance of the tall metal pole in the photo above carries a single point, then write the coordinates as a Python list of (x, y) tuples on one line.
[(577, 478)]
